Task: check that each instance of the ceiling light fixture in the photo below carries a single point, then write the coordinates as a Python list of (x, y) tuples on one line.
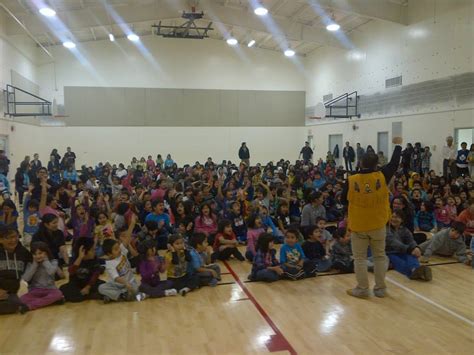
[(290, 53), (47, 11), (133, 37), (69, 45), (260, 11), (111, 37), (232, 41), (333, 27), (251, 43)]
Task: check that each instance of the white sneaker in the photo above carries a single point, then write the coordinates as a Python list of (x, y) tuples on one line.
[(184, 291), (171, 292), (141, 296)]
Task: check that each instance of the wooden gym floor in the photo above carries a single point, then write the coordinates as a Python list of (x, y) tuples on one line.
[(313, 316)]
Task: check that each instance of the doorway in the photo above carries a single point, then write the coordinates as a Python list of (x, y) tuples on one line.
[(336, 140), (382, 143), (464, 135)]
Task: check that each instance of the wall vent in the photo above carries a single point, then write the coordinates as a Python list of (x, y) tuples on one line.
[(393, 82)]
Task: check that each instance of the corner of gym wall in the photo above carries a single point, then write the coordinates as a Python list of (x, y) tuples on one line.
[(17, 53), (435, 51)]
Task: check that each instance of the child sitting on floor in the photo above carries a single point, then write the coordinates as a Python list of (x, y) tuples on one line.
[(209, 274), (84, 273), (341, 251), (326, 237), (14, 258), (443, 219), (314, 250), (31, 220), (255, 229), (122, 284), (238, 223), (403, 251), (425, 219), (225, 244), (40, 275), (265, 265), (293, 259), (177, 260), (162, 219), (150, 267)]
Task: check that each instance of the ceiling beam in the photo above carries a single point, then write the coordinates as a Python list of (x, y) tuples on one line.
[(81, 19)]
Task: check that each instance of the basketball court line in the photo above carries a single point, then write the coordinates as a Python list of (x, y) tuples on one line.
[(277, 342), (433, 303)]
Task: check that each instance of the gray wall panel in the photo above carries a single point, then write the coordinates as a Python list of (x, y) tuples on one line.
[(98, 106)]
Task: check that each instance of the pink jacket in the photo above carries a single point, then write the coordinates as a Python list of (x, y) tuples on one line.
[(205, 225), (252, 237)]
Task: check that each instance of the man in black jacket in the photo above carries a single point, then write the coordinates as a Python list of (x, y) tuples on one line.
[(349, 156), (244, 154), (13, 260)]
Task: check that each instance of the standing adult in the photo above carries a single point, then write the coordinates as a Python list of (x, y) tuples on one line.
[(35, 165), (4, 163), (306, 152), (360, 153), (69, 158), (406, 159), (367, 194), (56, 156), (470, 160), (244, 154), (462, 166), (449, 157), (349, 156)]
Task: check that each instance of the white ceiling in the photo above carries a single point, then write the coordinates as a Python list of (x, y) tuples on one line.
[(299, 24)]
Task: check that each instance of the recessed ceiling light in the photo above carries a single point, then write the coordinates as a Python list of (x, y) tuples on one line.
[(333, 27), (69, 44), (111, 37), (290, 53), (260, 11), (133, 37), (232, 41), (251, 43), (47, 11)]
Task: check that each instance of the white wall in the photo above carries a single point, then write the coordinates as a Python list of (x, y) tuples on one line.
[(186, 145), (171, 63), (17, 53), (430, 47), (428, 129)]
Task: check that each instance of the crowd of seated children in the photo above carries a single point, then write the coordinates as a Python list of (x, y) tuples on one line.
[(118, 218)]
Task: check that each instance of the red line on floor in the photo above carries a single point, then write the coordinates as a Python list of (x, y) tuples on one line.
[(276, 342)]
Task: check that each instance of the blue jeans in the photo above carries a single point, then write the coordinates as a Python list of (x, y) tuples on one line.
[(404, 263), (323, 265)]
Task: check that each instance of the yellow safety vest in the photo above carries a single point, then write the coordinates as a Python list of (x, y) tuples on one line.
[(369, 206)]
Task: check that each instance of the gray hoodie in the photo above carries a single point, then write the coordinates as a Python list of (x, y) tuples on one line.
[(41, 275), (442, 244), (399, 241)]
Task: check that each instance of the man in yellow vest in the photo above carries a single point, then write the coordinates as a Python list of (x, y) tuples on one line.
[(367, 194)]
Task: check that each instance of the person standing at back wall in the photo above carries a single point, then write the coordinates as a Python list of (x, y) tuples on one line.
[(349, 156), (244, 154), (367, 195)]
